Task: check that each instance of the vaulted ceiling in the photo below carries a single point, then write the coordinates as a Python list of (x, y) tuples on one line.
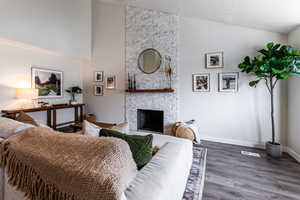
[(273, 15)]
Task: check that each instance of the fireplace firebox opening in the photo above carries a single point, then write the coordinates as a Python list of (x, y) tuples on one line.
[(150, 120)]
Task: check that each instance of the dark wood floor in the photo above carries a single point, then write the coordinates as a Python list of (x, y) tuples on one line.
[(232, 176)]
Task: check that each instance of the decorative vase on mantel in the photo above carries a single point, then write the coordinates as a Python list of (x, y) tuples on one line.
[(168, 71), (131, 83)]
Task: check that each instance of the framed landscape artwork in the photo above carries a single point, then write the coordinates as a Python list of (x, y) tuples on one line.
[(99, 76), (111, 82), (228, 82), (201, 82), (98, 90), (48, 82), (214, 60)]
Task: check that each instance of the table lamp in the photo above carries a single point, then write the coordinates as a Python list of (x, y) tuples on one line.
[(26, 95)]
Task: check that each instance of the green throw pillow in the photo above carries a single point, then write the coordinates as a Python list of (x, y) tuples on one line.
[(140, 146)]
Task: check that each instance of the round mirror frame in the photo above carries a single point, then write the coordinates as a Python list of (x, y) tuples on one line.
[(160, 61)]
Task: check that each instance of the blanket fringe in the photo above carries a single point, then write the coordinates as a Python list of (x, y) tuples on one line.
[(25, 179)]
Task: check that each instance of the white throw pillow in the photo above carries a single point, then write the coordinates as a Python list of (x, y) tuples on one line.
[(90, 129)]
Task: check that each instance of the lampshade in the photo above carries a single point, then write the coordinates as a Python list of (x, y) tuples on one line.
[(26, 93)]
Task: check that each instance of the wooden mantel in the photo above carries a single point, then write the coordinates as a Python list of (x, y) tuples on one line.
[(166, 90)]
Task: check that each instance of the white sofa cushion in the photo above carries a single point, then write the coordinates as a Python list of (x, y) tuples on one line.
[(165, 176)]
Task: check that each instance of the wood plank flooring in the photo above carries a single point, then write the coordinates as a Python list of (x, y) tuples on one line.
[(232, 176)]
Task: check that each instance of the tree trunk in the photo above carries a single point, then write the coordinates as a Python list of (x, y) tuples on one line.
[(272, 109)]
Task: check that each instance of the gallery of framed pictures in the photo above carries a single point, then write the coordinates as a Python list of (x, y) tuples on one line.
[(201, 82), (228, 82), (48, 82), (214, 60)]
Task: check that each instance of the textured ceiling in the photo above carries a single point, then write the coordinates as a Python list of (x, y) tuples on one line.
[(273, 15)]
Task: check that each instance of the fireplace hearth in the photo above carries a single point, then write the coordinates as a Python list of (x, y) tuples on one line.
[(150, 120)]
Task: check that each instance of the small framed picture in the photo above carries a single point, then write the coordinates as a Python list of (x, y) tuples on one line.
[(98, 90), (98, 76), (214, 60), (111, 82), (228, 82), (201, 82)]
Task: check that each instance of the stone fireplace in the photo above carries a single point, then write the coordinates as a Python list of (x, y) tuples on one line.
[(159, 30)]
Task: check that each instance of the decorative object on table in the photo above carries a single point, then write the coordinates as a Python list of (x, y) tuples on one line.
[(149, 61), (214, 60), (43, 103), (98, 90), (73, 91), (276, 62), (26, 95), (168, 69), (228, 82), (111, 82), (99, 76), (48, 82), (201, 82)]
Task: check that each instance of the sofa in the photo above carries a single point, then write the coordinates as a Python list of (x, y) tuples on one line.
[(163, 178)]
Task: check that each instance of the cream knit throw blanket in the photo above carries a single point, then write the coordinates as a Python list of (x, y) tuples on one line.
[(49, 166)]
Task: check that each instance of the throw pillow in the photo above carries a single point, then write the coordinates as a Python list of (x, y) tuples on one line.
[(26, 119), (90, 129), (140, 146)]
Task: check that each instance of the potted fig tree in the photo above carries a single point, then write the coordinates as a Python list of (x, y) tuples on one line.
[(274, 63)]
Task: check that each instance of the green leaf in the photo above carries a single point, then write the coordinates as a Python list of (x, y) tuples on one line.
[(284, 75), (260, 58), (254, 83), (242, 66), (247, 60), (264, 52), (270, 45), (296, 53), (276, 47), (276, 71)]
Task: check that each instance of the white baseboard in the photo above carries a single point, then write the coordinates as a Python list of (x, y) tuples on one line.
[(234, 142), (288, 150), (292, 153)]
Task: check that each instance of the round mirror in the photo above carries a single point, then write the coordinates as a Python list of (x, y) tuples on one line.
[(149, 61)]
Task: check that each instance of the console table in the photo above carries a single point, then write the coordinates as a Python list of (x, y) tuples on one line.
[(52, 113)]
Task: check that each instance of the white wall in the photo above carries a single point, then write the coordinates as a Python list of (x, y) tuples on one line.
[(62, 26), (108, 55), (15, 66), (293, 103), (242, 117), (52, 34)]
